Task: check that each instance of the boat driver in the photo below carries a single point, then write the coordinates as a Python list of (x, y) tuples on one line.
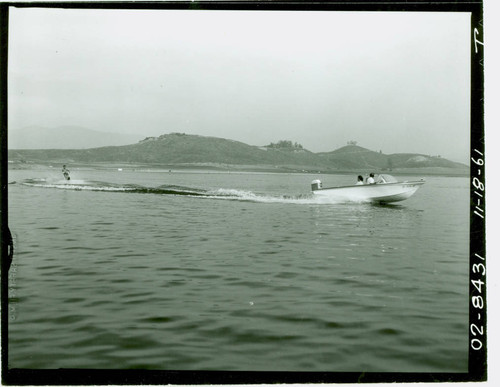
[(371, 179)]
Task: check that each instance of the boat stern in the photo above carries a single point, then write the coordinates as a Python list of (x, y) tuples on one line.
[(316, 185)]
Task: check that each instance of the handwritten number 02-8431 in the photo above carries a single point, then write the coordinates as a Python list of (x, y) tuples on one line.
[(478, 302)]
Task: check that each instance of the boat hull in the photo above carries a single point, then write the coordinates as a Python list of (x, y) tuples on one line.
[(375, 193)]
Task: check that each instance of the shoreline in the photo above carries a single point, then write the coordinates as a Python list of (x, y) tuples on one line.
[(213, 167)]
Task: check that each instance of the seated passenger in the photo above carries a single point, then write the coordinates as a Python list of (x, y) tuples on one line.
[(360, 180), (371, 179)]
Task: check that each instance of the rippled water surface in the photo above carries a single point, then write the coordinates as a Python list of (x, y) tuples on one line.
[(234, 271)]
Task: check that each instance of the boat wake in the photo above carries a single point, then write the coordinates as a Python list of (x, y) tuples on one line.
[(248, 196), (220, 193)]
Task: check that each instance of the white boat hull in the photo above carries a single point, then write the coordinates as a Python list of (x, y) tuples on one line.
[(375, 193)]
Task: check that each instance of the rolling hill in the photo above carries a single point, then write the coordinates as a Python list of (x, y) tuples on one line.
[(179, 148), (353, 156)]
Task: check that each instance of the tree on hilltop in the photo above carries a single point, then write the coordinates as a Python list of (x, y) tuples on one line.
[(285, 144)]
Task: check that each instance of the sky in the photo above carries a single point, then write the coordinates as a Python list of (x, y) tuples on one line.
[(392, 81)]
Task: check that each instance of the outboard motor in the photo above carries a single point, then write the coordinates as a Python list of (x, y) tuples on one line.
[(316, 184)]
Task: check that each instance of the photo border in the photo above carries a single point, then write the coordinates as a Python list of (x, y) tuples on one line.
[(477, 368)]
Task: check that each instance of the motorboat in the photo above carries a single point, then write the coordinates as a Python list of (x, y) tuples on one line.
[(386, 189)]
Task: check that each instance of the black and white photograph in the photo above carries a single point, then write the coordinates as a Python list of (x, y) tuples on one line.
[(201, 192)]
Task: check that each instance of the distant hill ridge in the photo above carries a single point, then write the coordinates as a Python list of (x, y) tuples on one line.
[(65, 137), (180, 148), (353, 156)]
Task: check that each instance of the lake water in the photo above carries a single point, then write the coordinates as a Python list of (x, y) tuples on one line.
[(122, 269)]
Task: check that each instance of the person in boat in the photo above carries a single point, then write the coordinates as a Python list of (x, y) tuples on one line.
[(371, 179), (65, 172), (360, 180)]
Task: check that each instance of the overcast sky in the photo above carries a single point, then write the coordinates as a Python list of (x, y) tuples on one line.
[(396, 82)]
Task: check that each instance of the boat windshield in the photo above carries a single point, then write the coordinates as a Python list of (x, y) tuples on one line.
[(383, 178)]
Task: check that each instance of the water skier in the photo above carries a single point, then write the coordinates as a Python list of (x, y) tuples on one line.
[(65, 172)]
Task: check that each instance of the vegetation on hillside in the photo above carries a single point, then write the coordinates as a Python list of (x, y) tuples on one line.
[(285, 144)]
